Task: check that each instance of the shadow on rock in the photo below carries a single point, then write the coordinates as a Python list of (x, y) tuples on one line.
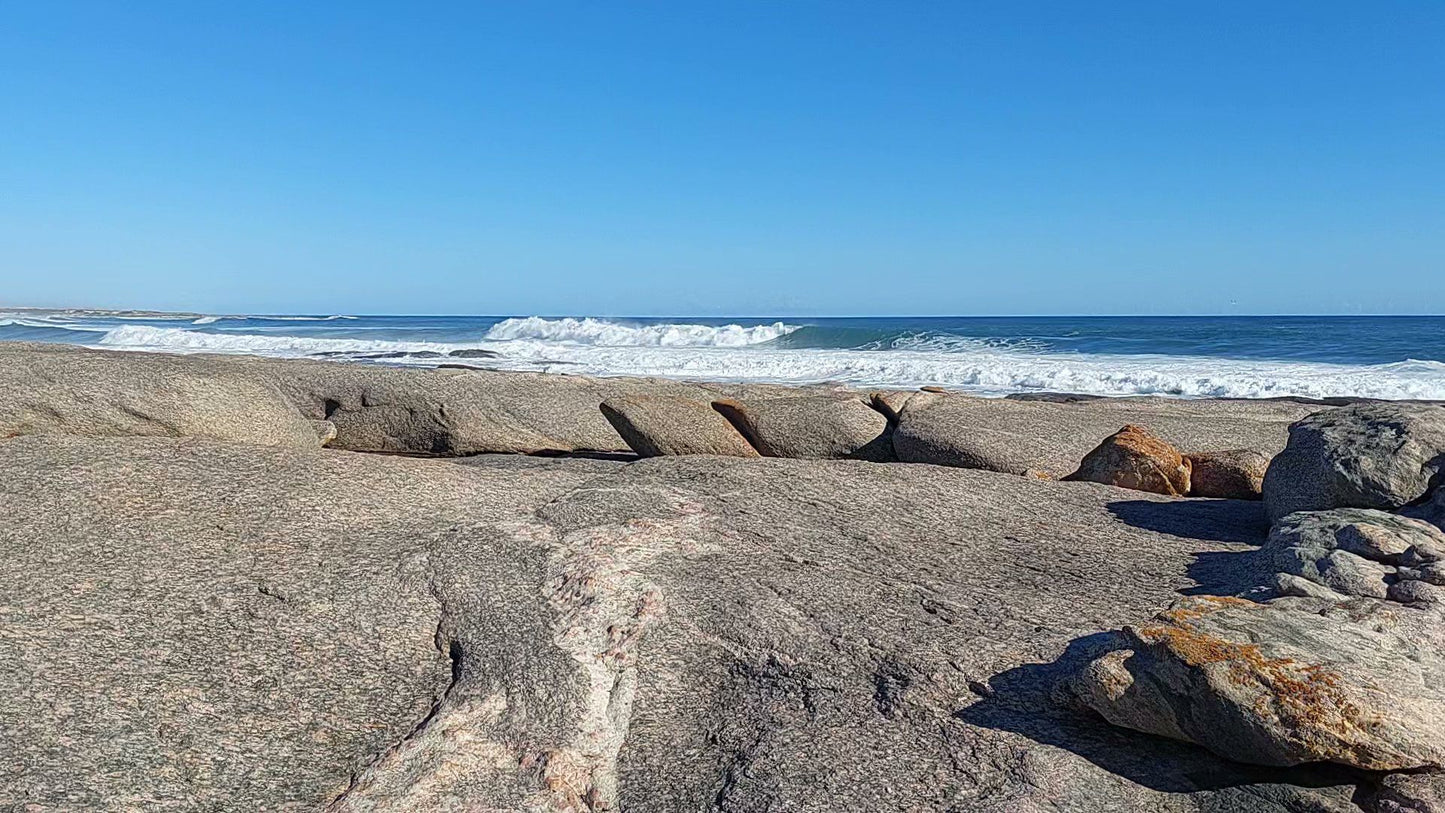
[(1034, 701), (1222, 573), (1210, 520)]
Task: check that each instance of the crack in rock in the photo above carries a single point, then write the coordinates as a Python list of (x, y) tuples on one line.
[(601, 608)]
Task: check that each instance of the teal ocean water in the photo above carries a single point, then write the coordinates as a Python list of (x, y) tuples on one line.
[(1245, 357)]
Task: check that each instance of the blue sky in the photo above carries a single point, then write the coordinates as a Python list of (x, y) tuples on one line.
[(724, 158)]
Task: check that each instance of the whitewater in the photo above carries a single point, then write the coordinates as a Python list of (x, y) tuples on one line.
[(998, 357)]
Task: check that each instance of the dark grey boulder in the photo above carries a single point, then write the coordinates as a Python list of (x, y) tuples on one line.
[(65, 390), (655, 425), (1377, 455), (823, 427)]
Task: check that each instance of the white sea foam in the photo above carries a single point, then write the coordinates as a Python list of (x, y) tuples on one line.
[(179, 340), (605, 333), (724, 354)]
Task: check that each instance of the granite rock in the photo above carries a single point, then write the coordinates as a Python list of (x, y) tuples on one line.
[(670, 425), (1134, 458), (812, 427), (1237, 474), (1375, 455)]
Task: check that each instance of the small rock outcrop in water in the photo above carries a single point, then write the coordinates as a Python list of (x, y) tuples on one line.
[(658, 425), (812, 427), (1363, 456), (1135, 458), (1237, 474), (1282, 683)]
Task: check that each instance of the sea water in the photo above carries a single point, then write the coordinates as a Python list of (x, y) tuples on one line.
[(1239, 357)]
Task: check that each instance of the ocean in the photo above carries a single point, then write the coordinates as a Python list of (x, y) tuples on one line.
[(1188, 356)]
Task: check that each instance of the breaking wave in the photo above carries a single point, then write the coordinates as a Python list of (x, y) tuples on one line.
[(734, 353), (606, 333)]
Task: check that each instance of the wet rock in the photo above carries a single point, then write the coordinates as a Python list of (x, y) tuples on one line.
[(1237, 474), (661, 425), (1134, 458), (1377, 455), (812, 427)]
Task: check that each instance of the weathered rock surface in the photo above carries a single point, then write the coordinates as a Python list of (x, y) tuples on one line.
[(662, 425), (227, 626), (50, 389), (1353, 551), (1237, 474), (1431, 510), (1378, 455), (819, 427), (1280, 683), (1408, 793), (1134, 458), (1014, 436)]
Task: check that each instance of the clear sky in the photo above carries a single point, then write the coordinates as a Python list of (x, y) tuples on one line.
[(724, 158)]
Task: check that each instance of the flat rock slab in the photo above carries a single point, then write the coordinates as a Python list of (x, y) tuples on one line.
[(196, 624), (1015, 436)]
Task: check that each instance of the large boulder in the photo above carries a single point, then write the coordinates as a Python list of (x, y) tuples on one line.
[(1282, 683), (62, 390), (1376, 455), (824, 427), (663, 425), (190, 624), (1236, 474), (1134, 458), (1015, 436)]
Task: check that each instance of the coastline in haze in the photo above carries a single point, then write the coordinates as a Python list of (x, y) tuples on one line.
[(1393, 357)]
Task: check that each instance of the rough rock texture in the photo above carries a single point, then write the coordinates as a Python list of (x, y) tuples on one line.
[(1357, 552), (1378, 455), (1014, 436), (471, 411), (1237, 474), (1431, 510), (1408, 793), (662, 425), (1283, 683), (1134, 458), (51, 389), (227, 626), (812, 427)]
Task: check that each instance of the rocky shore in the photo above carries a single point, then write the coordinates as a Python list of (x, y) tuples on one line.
[(236, 583)]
